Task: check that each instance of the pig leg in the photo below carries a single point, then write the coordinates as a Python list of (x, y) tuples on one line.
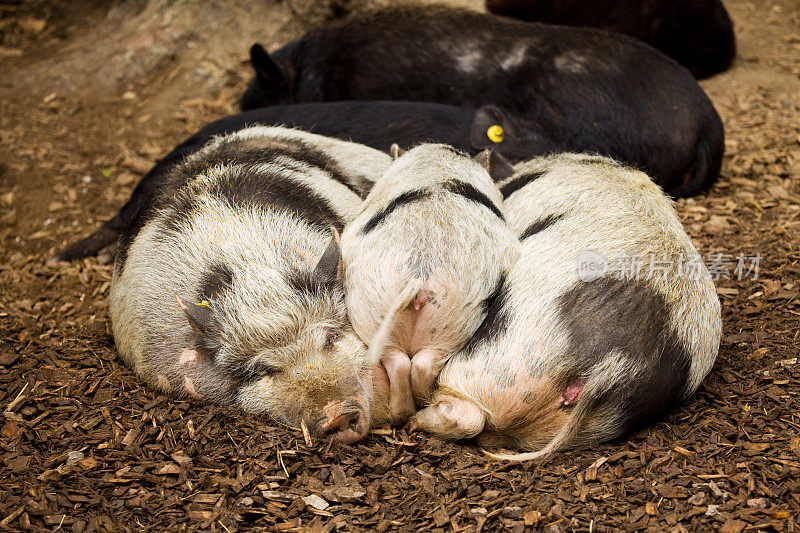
[(425, 368), (398, 368), (450, 418)]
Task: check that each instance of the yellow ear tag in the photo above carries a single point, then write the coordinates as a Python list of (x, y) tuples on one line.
[(495, 133), (205, 304)]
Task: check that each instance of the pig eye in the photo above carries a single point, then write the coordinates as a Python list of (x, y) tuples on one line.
[(331, 336), (263, 369), (269, 371)]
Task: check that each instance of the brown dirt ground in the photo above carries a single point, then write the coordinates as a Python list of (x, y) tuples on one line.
[(84, 446)]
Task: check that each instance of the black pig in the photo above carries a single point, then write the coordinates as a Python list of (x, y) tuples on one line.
[(581, 89)]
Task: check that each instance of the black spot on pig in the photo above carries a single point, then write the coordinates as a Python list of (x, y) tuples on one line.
[(698, 34), (302, 152), (404, 198), (247, 152), (254, 186), (453, 150), (496, 321), (540, 225), (321, 160), (215, 280), (503, 376), (469, 192), (518, 182), (628, 320), (306, 284)]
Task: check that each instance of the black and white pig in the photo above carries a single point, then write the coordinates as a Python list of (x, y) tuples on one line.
[(607, 321), (373, 123), (698, 34), (578, 89), (225, 284), (421, 260)]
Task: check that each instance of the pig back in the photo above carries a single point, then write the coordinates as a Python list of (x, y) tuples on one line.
[(540, 70), (434, 221), (456, 254)]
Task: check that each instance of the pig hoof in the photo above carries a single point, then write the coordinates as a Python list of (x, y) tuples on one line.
[(450, 419), (401, 413), (54, 261), (401, 408), (425, 367)]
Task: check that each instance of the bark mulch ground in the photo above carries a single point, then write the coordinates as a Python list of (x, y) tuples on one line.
[(85, 447)]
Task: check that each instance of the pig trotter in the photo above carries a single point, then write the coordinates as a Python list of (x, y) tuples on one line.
[(425, 368), (88, 246), (398, 368), (450, 418)]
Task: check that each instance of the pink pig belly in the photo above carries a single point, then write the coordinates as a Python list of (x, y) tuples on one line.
[(435, 326), (508, 394)]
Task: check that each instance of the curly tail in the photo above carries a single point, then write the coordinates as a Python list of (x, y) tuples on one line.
[(381, 337)]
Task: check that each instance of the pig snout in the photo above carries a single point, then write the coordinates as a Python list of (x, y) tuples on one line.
[(342, 423)]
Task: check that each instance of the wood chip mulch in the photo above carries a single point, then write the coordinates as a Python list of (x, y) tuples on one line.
[(85, 447)]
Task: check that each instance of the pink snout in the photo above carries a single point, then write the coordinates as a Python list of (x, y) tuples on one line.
[(346, 426)]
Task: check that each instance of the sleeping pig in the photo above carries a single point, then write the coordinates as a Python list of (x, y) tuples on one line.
[(581, 89), (372, 123), (225, 284), (421, 260), (698, 34), (608, 320)]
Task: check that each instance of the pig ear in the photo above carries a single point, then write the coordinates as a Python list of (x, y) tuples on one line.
[(328, 268), (268, 73), (489, 128), (396, 151), (495, 164), (200, 316)]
